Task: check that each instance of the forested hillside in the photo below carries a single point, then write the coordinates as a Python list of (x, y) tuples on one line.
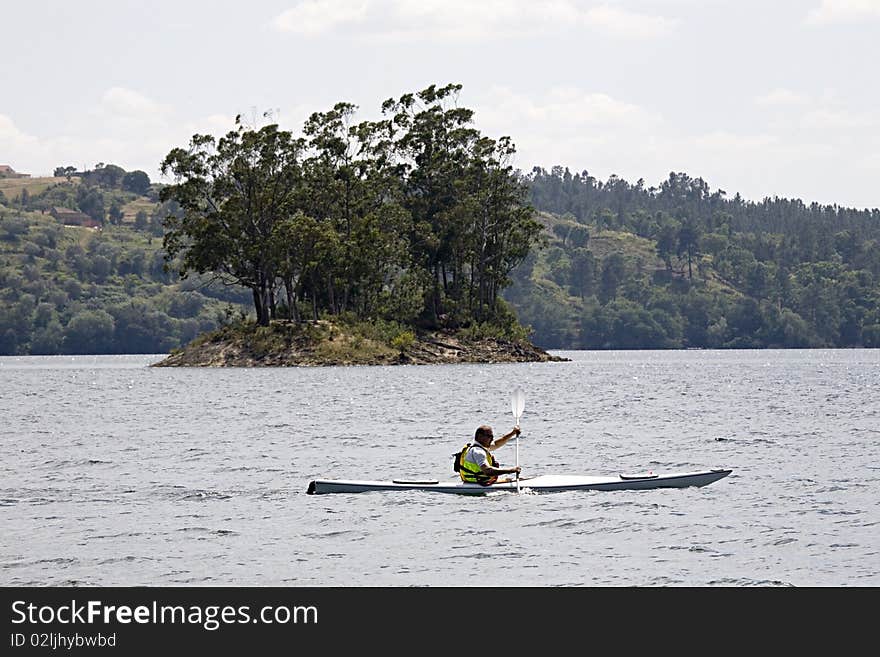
[(622, 266), (680, 265), (77, 290)]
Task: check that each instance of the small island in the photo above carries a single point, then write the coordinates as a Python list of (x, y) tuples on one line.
[(373, 243), (286, 344)]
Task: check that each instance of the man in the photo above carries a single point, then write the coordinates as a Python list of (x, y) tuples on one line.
[(477, 463)]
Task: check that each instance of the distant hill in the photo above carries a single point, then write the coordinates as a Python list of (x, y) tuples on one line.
[(682, 266), (72, 289), (623, 266)]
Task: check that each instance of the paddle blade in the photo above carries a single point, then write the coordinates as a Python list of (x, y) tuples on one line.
[(517, 403)]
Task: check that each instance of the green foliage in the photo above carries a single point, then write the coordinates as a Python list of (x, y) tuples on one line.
[(90, 200), (109, 176), (718, 273), (115, 213), (871, 335), (62, 195), (96, 291), (403, 341), (12, 228), (136, 182), (561, 231), (584, 273), (234, 193), (141, 220), (382, 331), (623, 324), (492, 330), (415, 218), (89, 332), (578, 237), (613, 272)]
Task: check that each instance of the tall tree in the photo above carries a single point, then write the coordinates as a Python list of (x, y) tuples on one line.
[(350, 186), (137, 182), (666, 241), (613, 273), (584, 267), (232, 193), (435, 138), (90, 200), (688, 240), (471, 223)]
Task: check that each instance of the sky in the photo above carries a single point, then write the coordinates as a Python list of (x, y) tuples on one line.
[(763, 98)]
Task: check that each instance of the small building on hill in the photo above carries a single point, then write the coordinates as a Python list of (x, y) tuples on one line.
[(7, 171), (70, 217)]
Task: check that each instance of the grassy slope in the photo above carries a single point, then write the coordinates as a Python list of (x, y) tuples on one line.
[(131, 209), (11, 187), (115, 288), (636, 250)]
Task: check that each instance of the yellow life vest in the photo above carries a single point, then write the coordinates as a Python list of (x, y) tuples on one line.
[(470, 471)]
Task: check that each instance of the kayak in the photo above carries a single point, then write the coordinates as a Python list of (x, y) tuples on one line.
[(540, 484)]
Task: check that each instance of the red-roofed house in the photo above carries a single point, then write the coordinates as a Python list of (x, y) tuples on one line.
[(70, 217)]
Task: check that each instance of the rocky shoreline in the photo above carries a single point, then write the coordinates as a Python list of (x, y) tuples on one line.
[(326, 345)]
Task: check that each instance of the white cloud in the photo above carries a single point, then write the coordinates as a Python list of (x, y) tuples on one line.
[(315, 17), (839, 11), (124, 102), (722, 141), (410, 20), (622, 23), (39, 155), (215, 124), (132, 132), (562, 110), (122, 111), (755, 165), (607, 135), (838, 119), (871, 162), (458, 20), (782, 97), (572, 127), (11, 137)]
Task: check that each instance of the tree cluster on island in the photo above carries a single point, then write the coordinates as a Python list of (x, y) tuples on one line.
[(416, 218)]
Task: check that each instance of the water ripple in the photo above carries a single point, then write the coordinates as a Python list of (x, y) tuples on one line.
[(200, 477)]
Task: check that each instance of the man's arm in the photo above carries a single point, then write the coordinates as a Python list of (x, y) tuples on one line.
[(489, 470), (500, 442)]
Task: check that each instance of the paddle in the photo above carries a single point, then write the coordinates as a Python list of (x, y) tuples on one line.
[(517, 404)]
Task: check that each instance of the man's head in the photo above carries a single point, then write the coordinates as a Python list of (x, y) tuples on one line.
[(484, 435)]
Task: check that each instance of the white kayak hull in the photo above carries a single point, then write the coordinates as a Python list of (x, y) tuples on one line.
[(542, 484)]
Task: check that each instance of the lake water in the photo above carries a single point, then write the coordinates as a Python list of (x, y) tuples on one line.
[(115, 473)]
